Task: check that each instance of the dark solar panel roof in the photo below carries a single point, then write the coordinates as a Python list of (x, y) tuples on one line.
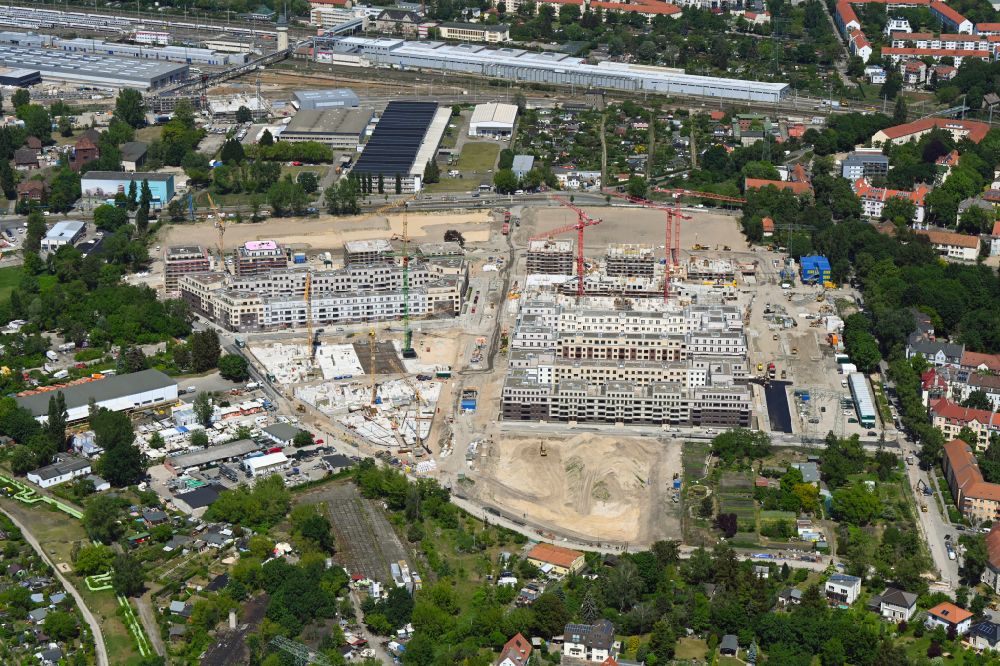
[(397, 137)]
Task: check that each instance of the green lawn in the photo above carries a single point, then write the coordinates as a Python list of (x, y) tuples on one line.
[(478, 156), (454, 185), (691, 648), (9, 277)]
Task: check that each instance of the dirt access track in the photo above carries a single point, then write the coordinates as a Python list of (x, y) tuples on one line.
[(327, 232), (595, 487)]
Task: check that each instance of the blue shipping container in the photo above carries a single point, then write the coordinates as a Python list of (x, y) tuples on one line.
[(469, 404), (677, 484)]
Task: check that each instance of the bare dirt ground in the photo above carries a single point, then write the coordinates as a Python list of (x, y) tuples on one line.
[(602, 488), (638, 225), (329, 233)]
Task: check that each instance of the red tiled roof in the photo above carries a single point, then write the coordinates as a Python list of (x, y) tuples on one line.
[(949, 238), (557, 555), (768, 224), (864, 190), (949, 612), (947, 12), (993, 545), (646, 7), (517, 649), (996, 228), (846, 13), (976, 359), (952, 411), (965, 469), (951, 159), (975, 130)]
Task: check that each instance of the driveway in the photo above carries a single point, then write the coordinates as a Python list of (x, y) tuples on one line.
[(95, 628), (148, 619)]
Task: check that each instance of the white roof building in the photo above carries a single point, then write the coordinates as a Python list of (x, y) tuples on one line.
[(262, 465), (493, 119)]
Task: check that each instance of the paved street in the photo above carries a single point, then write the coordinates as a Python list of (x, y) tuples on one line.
[(934, 527)]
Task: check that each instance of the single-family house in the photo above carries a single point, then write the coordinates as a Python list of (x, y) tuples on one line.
[(50, 656), (37, 616), (949, 616), (589, 642), (180, 609), (154, 517), (33, 191), (843, 588), (790, 596), (984, 636), (896, 605), (25, 159), (515, 652)]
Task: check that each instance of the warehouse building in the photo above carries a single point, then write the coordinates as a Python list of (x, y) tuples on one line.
[(282, 434), (630, 260), (341, 129), (518, 65), (864, 404), (318, 100), (493, 120), (137, 390), (107, 184), (22, 78), (550, 257), (63, 233), (257, 257), (180, 260), (403, 142), (213, 455), (93, 69), (184, 54), (355, 293)]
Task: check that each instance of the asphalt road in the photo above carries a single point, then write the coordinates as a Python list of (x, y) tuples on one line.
[(95, 628), (777, 406)]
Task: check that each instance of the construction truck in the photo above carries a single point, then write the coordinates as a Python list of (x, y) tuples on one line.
[(771, 371)]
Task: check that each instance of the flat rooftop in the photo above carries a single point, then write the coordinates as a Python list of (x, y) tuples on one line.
[(78, 395), (350, 122), (100, 69), (331, 97), (184, 251), (213, 454), (554, 245), (375, 245)]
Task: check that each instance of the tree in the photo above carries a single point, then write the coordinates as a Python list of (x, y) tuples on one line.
[(110, 218), (234, 368), (142, 219), (637, 187), (205, 350), (37, 121), (129, 108), (381, 183), (203, 408), (55, 424), (316, 528), (61, 626), (21, 97), (432, 173), (855, 504), (975, 220), (266, 139), (741, 443), (505, 182), (978, 399), (303, 438), (199, 439), (550, 614), (900, 111), (64, 189), (308, 181), (244, 115), (93, 559), (899, 211), (100, 518), (35, 232), (127, 578), (232, 152), (22, 459)]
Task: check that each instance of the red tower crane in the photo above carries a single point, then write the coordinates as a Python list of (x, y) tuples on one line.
[(582, 221), (678, 192), (673, 233)]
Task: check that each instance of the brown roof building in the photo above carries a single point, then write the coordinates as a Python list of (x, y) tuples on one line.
[(31, 190), (26, 158), (84, 152), (33, 142), (978, 500), (562, 560)]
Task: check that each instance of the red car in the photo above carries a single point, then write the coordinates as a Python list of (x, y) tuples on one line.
[(296, 163), (319, 441)]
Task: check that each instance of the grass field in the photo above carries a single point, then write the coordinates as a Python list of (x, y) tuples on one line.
[(454, 185), (691, 648), (9, 277), (478, 156)]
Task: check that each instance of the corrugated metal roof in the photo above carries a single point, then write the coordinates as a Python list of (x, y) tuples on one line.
[(862, 394)]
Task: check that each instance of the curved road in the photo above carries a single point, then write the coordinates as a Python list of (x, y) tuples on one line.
[(95, 628)]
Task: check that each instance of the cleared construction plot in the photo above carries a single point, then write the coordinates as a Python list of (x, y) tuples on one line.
[(326, 232), (366, 542), (594, 487), (638, 225)]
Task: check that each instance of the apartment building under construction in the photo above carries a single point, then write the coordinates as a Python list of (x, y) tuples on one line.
[(552, 256), (630, 260)]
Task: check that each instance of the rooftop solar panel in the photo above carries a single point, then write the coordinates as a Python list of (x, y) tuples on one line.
[(397, 137)]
